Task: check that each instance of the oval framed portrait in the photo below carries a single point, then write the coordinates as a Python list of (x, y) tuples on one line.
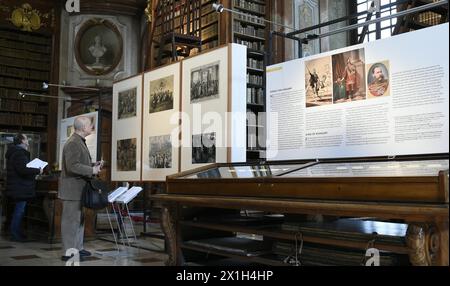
[(98, 47), (378, 79)]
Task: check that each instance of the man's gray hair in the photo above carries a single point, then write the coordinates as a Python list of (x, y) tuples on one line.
[(376, 66), (81, 122)]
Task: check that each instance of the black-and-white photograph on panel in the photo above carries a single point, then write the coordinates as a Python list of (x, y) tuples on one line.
[(205, 82), (160, 155), (127, 104), (126, 155), (204, 148), (161, 94)]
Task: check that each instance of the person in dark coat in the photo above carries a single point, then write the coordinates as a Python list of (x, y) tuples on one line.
[(20, 182)]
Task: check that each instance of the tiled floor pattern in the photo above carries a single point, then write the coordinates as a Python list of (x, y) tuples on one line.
[(104, 253)]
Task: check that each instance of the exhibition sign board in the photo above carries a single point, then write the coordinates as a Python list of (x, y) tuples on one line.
[(161, 115), (213, 108), (126, 130), (67, 129), (384, 98)]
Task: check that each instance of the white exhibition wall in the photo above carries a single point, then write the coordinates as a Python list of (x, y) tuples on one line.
[(217, 118)]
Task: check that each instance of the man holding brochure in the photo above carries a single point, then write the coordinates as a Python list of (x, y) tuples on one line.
[(20, 182), (75, 169)]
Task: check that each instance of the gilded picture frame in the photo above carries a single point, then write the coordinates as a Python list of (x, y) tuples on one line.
[(98, 47)]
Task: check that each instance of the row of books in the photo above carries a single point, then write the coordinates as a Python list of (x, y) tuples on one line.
[(255, 131), (175, 25), (254, 79), (25, 63), (210, 32), (249, 30), (25, 38), (255, 95), (255, 64), (253, 45), (6, 43), (250, 6), (250, 18), (28, 106), (177, 12), (20, 83), (208, 19), (14, 53), (7, 104), (210, 45), (14, 94), (23, 119), (23, 73)]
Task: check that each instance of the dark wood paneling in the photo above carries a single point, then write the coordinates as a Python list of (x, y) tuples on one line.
[(410, 212), (225, 22), (54, 77), (49, 15), (366, 189), (113, 7)]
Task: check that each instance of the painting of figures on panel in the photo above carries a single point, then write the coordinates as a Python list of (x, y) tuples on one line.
[(349, 76), (204, 148), (160, 156), (126, 155), (318, 85), (205, 82), (127, 104), (161, 94)]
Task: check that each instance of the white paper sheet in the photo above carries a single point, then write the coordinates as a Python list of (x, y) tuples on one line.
[(37, 164), (116, 193), (129, 195)]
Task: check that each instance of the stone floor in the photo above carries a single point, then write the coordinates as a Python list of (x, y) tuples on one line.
[(145, 252)]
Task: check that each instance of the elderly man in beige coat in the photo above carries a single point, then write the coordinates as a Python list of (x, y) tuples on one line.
[(76, 168)]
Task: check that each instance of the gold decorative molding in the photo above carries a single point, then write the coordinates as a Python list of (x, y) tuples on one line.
[(148, 11), (423, 244), (26, 18), (168, 226)]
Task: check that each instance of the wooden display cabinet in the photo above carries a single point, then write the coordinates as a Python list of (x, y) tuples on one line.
[(399, 207)]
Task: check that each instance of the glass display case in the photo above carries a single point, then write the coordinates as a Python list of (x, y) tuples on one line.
[(378, 180), (336, 209)]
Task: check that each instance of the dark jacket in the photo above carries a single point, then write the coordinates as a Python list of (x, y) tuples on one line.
[(20, 180)]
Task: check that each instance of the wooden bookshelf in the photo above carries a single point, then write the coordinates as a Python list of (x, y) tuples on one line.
[(209, 30), (250, 30), (25, 64)]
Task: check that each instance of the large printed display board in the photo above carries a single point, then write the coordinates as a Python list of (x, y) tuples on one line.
[(126, 130), (161, 117), (214, 107), (210, 91), (67, 129), (384, 98)]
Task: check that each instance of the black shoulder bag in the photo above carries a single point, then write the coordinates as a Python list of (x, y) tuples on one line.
[(95, 194)]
